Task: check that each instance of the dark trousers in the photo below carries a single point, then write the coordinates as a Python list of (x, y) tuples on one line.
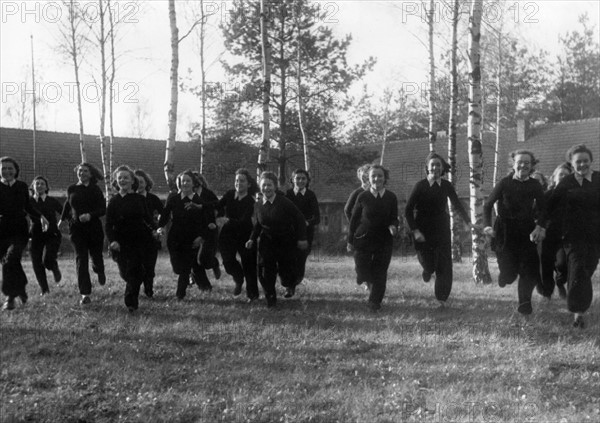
[(582, 260), (88, 241), (520, 259), (208, 250), (301, 257), (372, 264), (554, 265), (437, 259), (150, 258), (14, 279), (185, 263), (130, 260), (44, 251), (230, 248), (276, 255)]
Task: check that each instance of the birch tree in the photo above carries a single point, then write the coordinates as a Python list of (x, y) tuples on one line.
[(454, 217), (481, 273), (263, 152), (431, 132), (169, 166)]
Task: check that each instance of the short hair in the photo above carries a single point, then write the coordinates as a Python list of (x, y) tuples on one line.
[(124, 168), (303, 172), (95, 174), (14, 162), (252, 185), (515, 153), (579, 148), (39, 177), (267, 174), (436, 156), (563, 166), (142, 173), (386, 173), (361, 171), (191, 174)]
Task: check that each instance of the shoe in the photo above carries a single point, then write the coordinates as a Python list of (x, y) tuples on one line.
[(131, 309), (148, 293), (237, 290), (426, 276), (205, 288), (217, 272), (57, 275), (525, 308), (579, 322), (85, 299), (562, 292), (9, 304), (102, 278), (250, 300), (23, 298), (374, 306), (289, 292), (43, 293)]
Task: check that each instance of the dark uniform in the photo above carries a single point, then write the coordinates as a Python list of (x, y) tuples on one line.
[(155, 208), (45, 245)]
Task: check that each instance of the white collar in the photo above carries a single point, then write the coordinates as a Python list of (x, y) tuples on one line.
[(10, 184), (375, 192), (237, 196), (301, 191), (580, 178), (272, 200), (37, 197), (432, 181), (190, 196)]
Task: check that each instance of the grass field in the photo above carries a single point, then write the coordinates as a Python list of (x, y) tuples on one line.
[(320, 357)]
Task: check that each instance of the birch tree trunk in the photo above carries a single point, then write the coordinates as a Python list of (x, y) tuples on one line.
[(263, 153), (73, 17), (203, 83), (103, 149), (387, 99), (498, 104), (432, 133), (454, 217), (169, 167), (481, 273), (300, 105), (111, 98)]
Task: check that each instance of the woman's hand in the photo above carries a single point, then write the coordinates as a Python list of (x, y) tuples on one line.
[(197, 242), (84, 218), (249, 244), (349, 247), (393, 230), (45, 224), (489, 231), (115, 246), (419, 237), (212, 226), (192, 205), (538, 234)]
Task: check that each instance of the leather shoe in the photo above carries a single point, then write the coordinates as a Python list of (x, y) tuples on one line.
[(57, 275), (289, 292), (9, 304), (85, 299), (238, 289), (102, 278)]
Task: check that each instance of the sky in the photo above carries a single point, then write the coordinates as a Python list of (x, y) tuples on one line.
[(391, 31)]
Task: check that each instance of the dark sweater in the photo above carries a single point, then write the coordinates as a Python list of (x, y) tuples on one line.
[(430, 204), (307, 204), (518, 201), (351, 201), (580, 222), (278, 220), (49, 208), (154, 204), (372, 217), (188, 224), (14, 206), (239, 213), (83, 199), (128, 219)]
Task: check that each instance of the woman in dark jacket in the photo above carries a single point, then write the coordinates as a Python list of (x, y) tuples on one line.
[(129, 227), (45, 244), (235, 211), (427, 216), (519, 226), (306, 201), (14, 206), (188, 229), (578, 195), (362, 173), (83, 209), (279, 229), (155, 207), (373, 225)]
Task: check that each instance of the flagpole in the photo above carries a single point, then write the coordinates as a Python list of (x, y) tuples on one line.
[(33, 107)]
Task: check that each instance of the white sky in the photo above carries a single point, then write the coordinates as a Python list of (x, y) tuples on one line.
[(387, 30)]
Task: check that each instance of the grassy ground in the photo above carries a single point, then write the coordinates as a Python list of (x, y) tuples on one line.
[(321, 357)]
